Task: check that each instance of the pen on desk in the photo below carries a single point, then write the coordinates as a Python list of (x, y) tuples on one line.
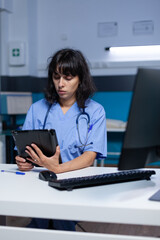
[(16, 172)]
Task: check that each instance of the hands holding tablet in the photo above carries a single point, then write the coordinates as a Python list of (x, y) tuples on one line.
[(37, 156), (22, 164), (37, 148)]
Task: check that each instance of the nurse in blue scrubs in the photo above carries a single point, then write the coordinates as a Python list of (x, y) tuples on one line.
[(80, 122)]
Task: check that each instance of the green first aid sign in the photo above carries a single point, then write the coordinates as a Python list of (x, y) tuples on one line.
[(15, 52)]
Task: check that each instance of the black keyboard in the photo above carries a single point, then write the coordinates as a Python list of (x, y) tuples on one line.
[(102, 179)]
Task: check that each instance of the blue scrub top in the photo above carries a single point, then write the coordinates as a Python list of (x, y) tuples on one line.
[(66, 130)]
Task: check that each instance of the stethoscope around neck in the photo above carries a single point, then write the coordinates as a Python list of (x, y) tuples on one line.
[(89, 127)]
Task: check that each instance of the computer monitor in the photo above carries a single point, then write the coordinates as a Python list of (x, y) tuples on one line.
[(141, 143)]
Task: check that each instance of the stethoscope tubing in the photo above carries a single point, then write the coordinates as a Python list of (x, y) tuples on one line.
[(46, 117), (89, 127)]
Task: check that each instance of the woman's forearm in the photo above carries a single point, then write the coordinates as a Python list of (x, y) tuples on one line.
[(85, 160)]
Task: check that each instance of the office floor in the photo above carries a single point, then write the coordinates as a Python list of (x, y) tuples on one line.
[(110, 228)]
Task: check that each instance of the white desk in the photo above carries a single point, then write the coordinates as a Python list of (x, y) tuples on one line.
[(26, 195)]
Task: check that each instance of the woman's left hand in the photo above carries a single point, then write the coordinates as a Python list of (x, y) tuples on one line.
[(37, 156)]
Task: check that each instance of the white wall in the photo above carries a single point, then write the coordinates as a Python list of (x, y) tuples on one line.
[(46, 26)]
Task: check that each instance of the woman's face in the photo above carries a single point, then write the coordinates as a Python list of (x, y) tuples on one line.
[(66, 86)]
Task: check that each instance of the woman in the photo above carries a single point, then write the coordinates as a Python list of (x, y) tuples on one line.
[(80, 122)]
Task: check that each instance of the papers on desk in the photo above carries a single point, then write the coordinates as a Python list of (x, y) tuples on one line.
[(155, 196), (115, 125)]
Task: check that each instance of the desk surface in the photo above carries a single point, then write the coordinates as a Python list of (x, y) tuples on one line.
[(26, 195)]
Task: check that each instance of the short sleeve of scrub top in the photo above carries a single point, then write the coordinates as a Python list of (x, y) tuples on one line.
[(71, 143)]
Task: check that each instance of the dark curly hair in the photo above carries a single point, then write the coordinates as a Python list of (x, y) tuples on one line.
[(70, 62)]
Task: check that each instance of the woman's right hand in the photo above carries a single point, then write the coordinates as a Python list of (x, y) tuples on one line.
[(22, 164)]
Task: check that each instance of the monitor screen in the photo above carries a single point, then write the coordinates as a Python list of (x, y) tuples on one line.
[(142, 137)]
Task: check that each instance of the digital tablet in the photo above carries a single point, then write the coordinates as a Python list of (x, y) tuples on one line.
[(45, 139)]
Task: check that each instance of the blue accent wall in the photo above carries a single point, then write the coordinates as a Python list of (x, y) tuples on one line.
[(116, 104)]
